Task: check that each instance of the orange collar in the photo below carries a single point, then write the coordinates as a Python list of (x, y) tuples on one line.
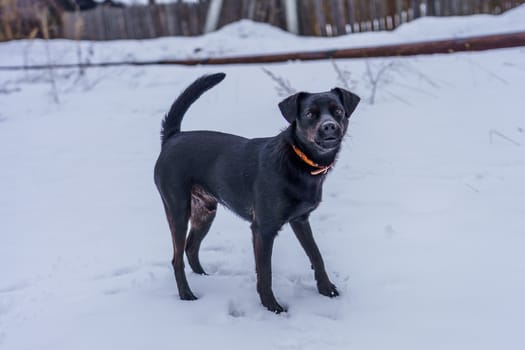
[(320, 169)]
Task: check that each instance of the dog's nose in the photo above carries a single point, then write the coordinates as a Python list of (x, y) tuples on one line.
[(329, 127)]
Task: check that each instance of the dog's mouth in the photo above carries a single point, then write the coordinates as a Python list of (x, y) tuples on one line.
[(328, 143)]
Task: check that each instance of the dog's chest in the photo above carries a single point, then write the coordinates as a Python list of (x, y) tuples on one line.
[(302, 208), (303, 201)]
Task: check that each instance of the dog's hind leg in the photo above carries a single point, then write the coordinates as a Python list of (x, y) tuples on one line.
[(178, 214), (203, 210)]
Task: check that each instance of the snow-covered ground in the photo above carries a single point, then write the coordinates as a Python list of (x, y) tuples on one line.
[(421, 227)]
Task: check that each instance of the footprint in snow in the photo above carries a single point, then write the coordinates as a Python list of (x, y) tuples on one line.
[(234, 310), (14, 287), (122, 271), (389, 231), (113, 291), (217, 248)]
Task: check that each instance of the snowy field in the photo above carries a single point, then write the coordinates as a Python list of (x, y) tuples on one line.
[(421, 227)]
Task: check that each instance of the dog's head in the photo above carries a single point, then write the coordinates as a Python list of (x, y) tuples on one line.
[(321, 119)]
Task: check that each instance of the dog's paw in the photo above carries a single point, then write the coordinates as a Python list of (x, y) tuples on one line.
[(273, 306), (328, 289), (195, 264), (187, 295), (276, 308)]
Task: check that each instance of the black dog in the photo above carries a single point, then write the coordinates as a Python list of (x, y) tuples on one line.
[(267, 181)]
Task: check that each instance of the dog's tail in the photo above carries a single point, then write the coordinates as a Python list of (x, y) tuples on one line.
[(172, 121)]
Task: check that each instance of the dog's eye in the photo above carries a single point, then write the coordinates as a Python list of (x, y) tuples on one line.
[(339, 112), (309, 115)]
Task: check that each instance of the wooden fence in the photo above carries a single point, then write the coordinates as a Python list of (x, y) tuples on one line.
[(315, 17), (338, 17), (136, 22)]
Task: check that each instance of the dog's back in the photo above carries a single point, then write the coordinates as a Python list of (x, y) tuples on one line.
[(220, 164)]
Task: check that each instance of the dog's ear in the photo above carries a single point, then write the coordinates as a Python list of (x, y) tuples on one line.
[(290, 107), (349, 99)]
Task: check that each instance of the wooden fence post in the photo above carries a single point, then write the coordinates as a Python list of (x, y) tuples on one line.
[(351, 15), (212, 17), (157, 23), (416, 9), (431, 7), (338, 17), (292, 24), (320, 18), (399, 14)]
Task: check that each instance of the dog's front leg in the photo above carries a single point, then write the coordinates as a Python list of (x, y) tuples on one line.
[(262, 247), (303, 232)]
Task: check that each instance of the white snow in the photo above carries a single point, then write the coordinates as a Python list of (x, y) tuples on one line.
[(421, 227)]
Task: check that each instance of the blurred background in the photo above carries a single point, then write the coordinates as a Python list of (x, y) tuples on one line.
[(141, 19)]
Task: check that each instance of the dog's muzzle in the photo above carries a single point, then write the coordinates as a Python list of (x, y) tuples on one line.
[(329, 135)]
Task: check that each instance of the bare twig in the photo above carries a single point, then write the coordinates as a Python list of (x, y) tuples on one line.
[(413, 88), (6, 89), (472, 187), (515, 66), (343, 76), (421, 75), (45, 32), (376, 78), (488, 71), (84, 59), (284, 88), (385, 73), (399, 98), (493, 132), (78, 33)]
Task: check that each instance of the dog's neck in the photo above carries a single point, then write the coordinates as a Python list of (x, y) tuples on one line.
[(322, 160), (319, 169)]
